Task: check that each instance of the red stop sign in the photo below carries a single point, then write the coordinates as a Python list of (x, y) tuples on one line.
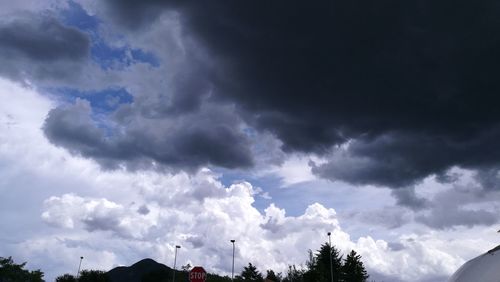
[(197, 274)]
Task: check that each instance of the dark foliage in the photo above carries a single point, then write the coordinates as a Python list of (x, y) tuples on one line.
[(250, 273), (66, 278), (319, 265), (93, 276), (353, 269), (273, 276), (12, 272), (85, 276), (294, 274)]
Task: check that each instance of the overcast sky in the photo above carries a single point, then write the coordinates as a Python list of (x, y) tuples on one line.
[(129, 127)]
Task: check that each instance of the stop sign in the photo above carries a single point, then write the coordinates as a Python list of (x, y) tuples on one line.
[(197, 274)]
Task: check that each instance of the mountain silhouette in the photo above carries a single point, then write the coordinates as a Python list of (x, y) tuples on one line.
[(141, 271)]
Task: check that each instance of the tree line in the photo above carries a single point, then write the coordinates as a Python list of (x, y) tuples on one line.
[(325, 265), (320, 267)]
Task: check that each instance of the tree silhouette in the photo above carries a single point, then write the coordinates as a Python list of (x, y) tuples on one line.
[(85, 276), (186, 267), (272, 276), (294, 275), (319, 265), (353, 269), (66, 278), (11, 272), (250, 273), (93, 276)]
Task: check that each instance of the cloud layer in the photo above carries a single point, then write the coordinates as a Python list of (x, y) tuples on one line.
[(132, 126), (118, 217), (40, 46), (409, 92)]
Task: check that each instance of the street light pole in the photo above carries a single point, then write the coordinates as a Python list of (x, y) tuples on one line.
[(232, 269), (175, 260), (330, 254), (79, 266)]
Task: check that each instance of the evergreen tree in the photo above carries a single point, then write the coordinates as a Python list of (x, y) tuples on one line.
[(93, 276), (186, 267), (85, 276), (353, 269), (272, 276), (12, 272), (319, 265), (66, 278), (294, 274), (215, 278), (250, 273), (311, 274)]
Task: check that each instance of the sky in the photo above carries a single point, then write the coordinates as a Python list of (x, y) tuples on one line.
[(130, 127)]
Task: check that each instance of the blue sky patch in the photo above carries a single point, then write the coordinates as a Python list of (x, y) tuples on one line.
[(76, 16), (145, 57), (102, 102), (107, 56)]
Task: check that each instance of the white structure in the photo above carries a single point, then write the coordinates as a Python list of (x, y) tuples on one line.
[(484, 268)]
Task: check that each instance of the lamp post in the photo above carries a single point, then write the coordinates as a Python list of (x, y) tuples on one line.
[(79, 266), (175, 260), (232, 269), (330, 254)]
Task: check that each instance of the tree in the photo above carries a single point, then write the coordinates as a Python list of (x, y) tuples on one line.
[(186, 267), (216, 278), (11, 272), (353, 269), (93, 276), (272, 276), (319, 265), (66, 278), (294, 274), (85, 276), (250, 273), (311, 274)]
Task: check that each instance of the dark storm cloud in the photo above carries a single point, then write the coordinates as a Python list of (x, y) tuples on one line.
[(43, 39), (489, 179), (40, 47), (133, 14), (401, 159), (209, 137), (413, 84), (408, 198)]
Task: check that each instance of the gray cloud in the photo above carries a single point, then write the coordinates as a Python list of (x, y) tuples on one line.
[(403, 159), (144, 210), (43, 40), (34, 46), (443, 218), (74, 129), (395, 246), (210, 137), (413, 91), (389, 217), (408, 198), (489, 179), (461, 206), (134, 15)]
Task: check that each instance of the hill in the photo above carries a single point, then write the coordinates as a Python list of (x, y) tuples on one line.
[(142, 271), (148, 270)]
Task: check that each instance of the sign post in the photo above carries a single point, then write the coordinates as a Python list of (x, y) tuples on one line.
[(197, 274)]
